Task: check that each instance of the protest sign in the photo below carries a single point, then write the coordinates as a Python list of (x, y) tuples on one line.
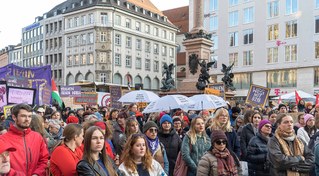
[(104, 99), (87, 98), (3, 95), (116, 94), (70, 91), (257, 95), (220, 87), (18, 95), (6, 110)]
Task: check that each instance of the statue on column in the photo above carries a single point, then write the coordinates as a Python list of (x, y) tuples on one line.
[(228, 76), (203, 78), (167, 81)]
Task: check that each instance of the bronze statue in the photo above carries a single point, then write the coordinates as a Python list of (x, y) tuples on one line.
[(168, 81), (193, 63), (203, 78), (228, 76)]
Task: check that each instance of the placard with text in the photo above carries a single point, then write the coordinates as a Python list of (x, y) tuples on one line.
[(257, 95)]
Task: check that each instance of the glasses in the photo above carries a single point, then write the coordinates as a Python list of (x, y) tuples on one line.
[(220, 142), (4, 154), (153, 130), (267, 126)]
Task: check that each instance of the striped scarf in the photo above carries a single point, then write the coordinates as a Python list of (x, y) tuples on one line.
[(225, 163)]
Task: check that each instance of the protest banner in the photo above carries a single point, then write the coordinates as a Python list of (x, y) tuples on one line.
[(38, 78), (104, 99), (70, 91), (3, 94), (18, 95), (17, 81), (87, 98), (257, 95), (116, 94), (6, 110)]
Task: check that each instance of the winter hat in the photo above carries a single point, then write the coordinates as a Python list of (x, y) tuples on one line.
[(149, 125), (262, 123), (235, 109), (5, 146), (54, 123), (98, 115), (307, 117), (217, 134), (100, 124), (308, 104), (165, 118), (72, 119), (282, 105)]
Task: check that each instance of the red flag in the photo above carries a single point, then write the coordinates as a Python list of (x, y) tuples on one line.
[(298, 98), (317, 99), (279, 100)]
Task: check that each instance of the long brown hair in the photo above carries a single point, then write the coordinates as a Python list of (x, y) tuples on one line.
[(129, 122), (70, 132), (87, 150), (37, 124), (128, 155)]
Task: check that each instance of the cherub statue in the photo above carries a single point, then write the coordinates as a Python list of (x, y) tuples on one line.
[(167, 81), (203, 79), (228, 76)]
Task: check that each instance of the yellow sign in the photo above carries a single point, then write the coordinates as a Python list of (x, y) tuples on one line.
[(141, 104), (212, 91)]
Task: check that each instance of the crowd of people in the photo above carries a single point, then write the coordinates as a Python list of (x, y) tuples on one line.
[(103, 141)]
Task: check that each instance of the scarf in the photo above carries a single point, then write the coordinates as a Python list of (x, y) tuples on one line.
[(152, 144), (297, 144), (225, 163)]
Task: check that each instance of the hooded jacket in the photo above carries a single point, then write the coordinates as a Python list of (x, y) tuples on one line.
[(32, 153)]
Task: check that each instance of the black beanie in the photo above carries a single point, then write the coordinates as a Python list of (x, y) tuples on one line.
[(148, 125)]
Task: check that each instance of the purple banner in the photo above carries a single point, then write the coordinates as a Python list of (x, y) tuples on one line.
[(39, 78), (70, 91)]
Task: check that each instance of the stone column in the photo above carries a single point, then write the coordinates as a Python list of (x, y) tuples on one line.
[(198, 15)]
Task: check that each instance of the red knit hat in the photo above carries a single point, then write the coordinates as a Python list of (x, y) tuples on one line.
[(100, 124), (72, 119)]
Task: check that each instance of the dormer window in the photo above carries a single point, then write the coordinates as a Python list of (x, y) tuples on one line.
[(90, 1), (55, 13), (144, 11), (45, 16), (63, 10), (118, 2), (157, 16), (81, 3), (73, 5), (151, 14), (136, 9), (165, 18)]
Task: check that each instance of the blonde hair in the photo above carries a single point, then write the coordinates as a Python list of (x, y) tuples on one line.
[(216, 124), (192, 134)]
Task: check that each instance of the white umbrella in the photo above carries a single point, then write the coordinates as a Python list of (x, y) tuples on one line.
[(291, 96), (139, 96), (168, 102), (206, 101)]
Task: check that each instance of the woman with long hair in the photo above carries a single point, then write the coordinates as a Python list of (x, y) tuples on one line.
[(218, 160), (65, 157), (132, 127), (222, 122), (306, 132), (119, 132), (249, 131), (137, 159), (195, 144), (95, 161), (37, 124)]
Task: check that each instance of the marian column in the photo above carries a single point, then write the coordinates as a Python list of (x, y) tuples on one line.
[(198, 20)]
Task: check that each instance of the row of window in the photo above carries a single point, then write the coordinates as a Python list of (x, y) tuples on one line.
[(36, 46), (84, 20), (83, 39), (53, 27), (272, 55), (53, 43), (56, 74), (37, 31), (82, 59), (53, 59), (248, 16), (138, 62), (147, 28), (31, 62), (147, 45)]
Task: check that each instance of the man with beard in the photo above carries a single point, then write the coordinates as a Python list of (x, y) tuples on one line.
[(288, 155), (31, 156)]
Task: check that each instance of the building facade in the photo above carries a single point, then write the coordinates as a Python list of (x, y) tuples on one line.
[(15, 55), (115, 41), (273, 43)]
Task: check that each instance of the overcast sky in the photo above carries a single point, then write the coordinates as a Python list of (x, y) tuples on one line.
[(16, 14)]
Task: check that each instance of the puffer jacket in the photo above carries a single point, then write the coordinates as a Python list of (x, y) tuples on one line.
[(32, 153), (246, 135), (257, 156), (172, 144), (280, 163), (193, 155)]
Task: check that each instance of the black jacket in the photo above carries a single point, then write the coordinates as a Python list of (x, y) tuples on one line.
[(246, 135), (257, 156), (172, 144), (280, 163), (84, 168)]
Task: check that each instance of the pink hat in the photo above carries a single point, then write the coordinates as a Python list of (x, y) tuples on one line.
[(307, 117), (262, 123)]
